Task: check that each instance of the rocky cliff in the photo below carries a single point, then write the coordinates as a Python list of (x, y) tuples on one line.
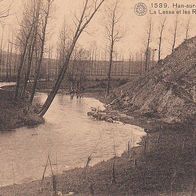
[(167, 91)]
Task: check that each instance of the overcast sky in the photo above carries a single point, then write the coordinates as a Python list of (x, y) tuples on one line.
[(133, 26)]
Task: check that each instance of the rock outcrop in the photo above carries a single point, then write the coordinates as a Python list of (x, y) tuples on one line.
[(166, 92)]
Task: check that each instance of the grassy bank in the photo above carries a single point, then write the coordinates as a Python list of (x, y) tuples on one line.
[(15, 114)]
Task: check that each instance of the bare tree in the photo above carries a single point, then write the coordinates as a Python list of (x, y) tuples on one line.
[(188, 28), (113, 35), (1, 45), (7, 62), (175, 33), (88, 12), (11, 42), (4, 13), (32, 42), (42, 37), (147, 52), (94, 58), (77, 69), (49, 61), (162, 26), (63, 44), (61, 48), (25, 39)]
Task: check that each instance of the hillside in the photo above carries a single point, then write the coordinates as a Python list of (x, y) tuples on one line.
[(167, 92)]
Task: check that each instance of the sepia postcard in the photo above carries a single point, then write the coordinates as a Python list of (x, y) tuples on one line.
[(98, 97)]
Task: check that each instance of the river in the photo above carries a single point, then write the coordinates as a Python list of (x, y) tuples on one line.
[(69, 136)]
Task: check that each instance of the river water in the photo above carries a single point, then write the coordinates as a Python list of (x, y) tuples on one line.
[(69, 136)]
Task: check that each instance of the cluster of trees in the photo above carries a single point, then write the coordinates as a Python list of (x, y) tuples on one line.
[(113, 34), (89, 10), (5, 59), (161, 31), (76, 73), (31, 41)]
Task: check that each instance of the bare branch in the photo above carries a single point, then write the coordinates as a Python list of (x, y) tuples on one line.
[(82, 27), (149, 32), (83, 22), (188, 25), (113, 35), (175, 33), (162, 26)]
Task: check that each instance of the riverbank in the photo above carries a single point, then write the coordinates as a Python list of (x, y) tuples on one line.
[(158, 167), (15, 114), (163, 164)]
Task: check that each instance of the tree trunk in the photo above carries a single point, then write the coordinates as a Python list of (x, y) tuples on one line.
[(175, 34), (1, 52), (37, 72), (20, 68), (11, 60), (7, 63), (147, 55), (174, 42), (160, 39), (80, 28), (148, 47), (159, 52), (57, 86), (32, 48), (27, 75), (110, 70)]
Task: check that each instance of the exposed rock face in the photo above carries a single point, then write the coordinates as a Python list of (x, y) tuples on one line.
[(167, 91)]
